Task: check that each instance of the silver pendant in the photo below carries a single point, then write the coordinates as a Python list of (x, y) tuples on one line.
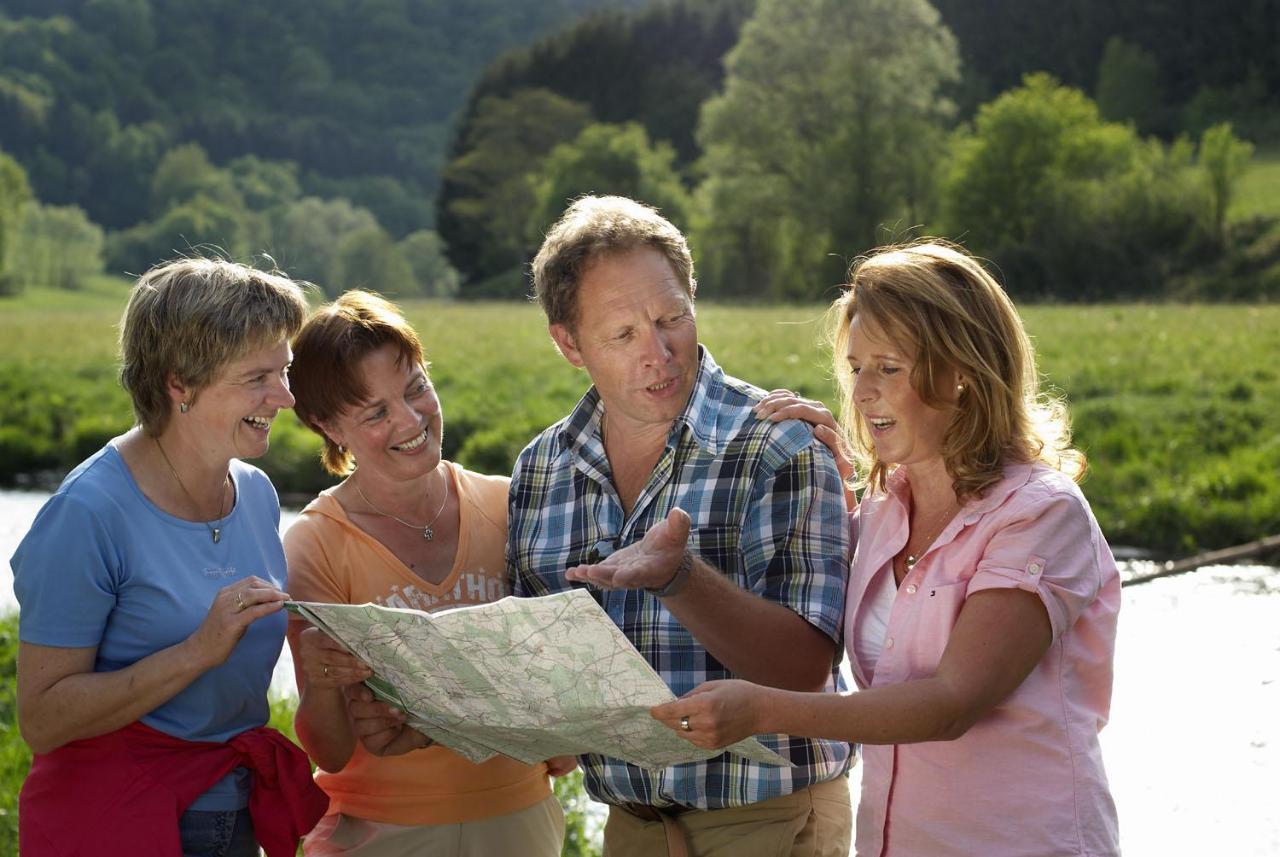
[(428, 533), (216, 533)]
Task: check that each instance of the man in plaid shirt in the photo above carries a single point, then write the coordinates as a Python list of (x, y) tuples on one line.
[(716, 541)]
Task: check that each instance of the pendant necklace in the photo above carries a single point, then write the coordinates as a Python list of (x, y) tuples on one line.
[(427, 532), (913, 558), (215, 533)]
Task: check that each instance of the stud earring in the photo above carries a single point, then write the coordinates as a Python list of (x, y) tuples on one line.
[(184, 407), (342, 450), (959, 388)]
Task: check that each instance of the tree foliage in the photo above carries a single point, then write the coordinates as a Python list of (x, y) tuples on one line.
[(824, 140), (55, 246), (92, 92), (654, 66), (1195, 44), (15, 193), (607, 159), (307, 233), (1129, 86), (1071, 206), (424, 251), (487, 196), (370, 259), (1224, 159)]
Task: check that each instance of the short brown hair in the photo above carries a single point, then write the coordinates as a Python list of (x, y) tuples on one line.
[(595, 226), (939, 305), (190, 317), (327, 353)]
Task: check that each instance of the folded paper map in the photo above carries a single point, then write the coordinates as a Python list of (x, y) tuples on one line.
[(529, 678)]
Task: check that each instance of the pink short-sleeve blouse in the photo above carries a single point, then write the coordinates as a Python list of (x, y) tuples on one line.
[(1028, 778)]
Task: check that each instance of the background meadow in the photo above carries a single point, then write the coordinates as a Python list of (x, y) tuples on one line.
[(1174, 403)]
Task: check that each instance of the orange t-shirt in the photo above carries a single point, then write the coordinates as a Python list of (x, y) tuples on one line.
[(334, 561)]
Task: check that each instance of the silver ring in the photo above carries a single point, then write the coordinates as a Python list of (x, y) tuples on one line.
[(240, 605), (326, 670), (684, 724)]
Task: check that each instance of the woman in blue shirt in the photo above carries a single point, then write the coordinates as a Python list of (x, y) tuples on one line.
[(151, 584)]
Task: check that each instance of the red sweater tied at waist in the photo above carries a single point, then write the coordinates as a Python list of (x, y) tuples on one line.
[(120, 794)]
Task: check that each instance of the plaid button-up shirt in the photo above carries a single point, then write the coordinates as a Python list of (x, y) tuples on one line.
[(768, 512)]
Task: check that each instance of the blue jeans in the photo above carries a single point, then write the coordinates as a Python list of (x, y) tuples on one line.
[(217, 834)]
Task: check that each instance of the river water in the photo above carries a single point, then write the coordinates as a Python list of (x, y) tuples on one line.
[(1193, 746)]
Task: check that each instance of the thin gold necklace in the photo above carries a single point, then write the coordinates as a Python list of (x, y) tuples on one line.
[(947, 515), (427, 532), (214, 532)]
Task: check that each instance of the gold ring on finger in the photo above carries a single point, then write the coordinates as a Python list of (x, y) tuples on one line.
[(684, 724), (240, 605)]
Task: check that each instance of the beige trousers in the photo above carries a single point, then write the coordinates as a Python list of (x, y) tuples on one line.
[(815, 822), (537, 832)]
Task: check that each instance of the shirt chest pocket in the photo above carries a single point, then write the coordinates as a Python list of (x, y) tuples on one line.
[(720, 547), (933, 613)]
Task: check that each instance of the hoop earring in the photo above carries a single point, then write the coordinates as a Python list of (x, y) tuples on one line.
[(184, 407)]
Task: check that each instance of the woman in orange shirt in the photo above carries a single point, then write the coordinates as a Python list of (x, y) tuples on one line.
[(404, 529)]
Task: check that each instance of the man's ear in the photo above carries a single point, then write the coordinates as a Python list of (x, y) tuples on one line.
[(565, 342)]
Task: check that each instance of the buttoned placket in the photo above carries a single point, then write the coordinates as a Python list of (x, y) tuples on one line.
[(910, 587)]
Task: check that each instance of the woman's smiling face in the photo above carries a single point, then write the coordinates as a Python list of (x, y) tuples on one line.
[(398, 428), (236, 410)]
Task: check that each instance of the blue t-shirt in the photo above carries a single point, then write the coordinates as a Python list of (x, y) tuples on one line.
[(103, 566)]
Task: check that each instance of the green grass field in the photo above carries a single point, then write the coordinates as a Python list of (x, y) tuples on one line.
[(1174, 404)]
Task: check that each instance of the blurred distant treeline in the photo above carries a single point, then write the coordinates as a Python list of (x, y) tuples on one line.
[(171, 123), (1092, 149)]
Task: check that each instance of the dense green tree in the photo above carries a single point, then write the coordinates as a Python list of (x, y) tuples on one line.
[(1247, 105), (200, 224), (654, 66), (400, 207), (345, 90), (15, 193), (370, 259), (185, 172), (1067, 204), (121, 169), (824, 141), (489, 194), (306, 234), (607, 159), (1129, 85), (264, 184), (1195, 43), (1223, 159), (55, 246), (424, 251)]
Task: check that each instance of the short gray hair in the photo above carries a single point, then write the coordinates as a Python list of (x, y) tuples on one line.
[(189, 318), (595, 226)]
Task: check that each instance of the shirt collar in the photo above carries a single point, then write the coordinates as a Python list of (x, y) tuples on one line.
[(1013, 477), (581, 429)]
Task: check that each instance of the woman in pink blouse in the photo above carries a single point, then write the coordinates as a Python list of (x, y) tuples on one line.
[(981, 615)]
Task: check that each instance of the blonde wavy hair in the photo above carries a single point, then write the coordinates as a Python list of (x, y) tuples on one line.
[(937, 304)]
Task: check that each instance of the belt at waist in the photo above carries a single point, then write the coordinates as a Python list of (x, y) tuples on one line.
[(653, 813)]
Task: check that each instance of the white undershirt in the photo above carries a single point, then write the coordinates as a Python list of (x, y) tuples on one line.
[(873, 620)]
